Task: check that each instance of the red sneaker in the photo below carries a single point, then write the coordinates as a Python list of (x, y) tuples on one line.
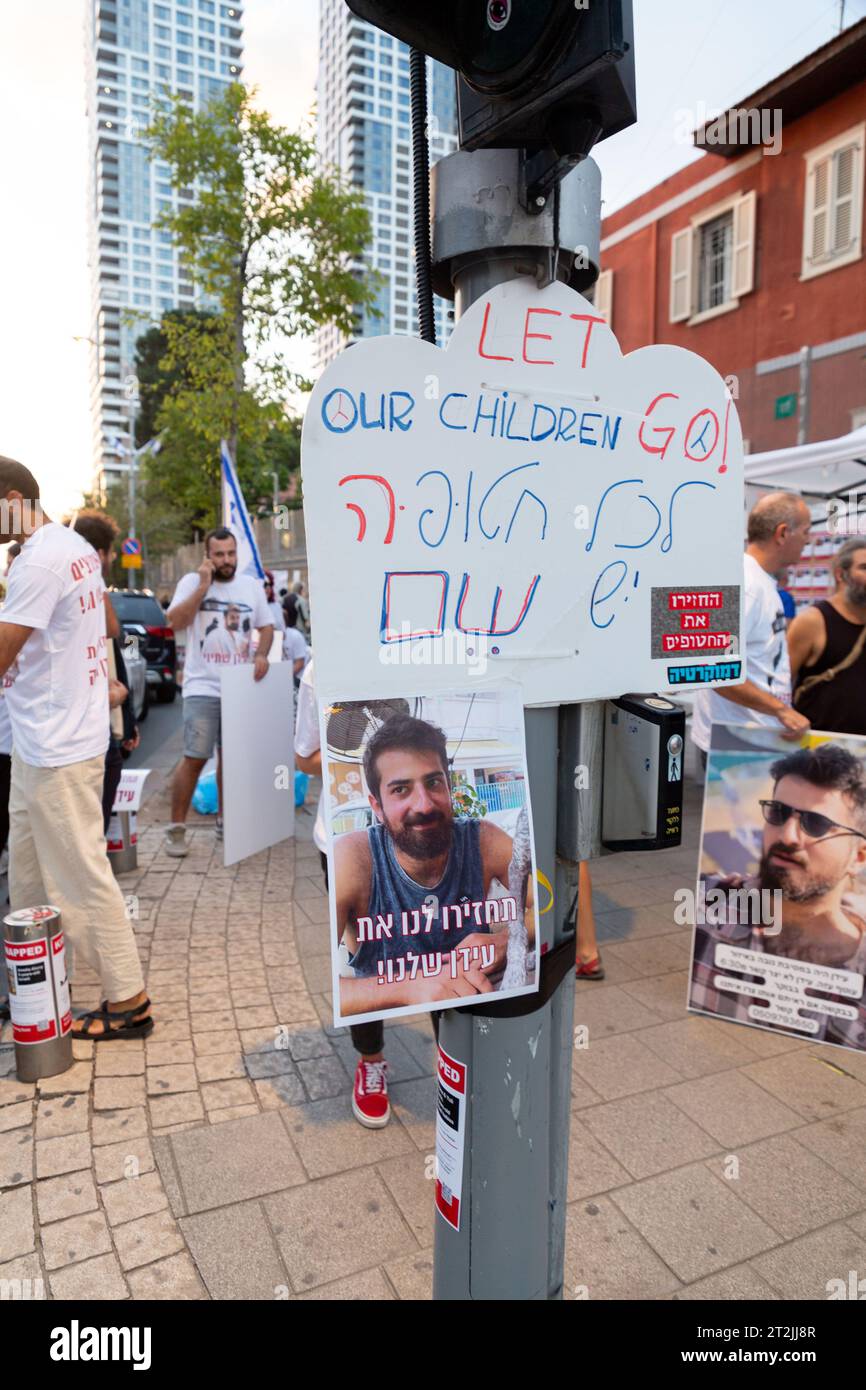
[(370, 1094), (590, 969)]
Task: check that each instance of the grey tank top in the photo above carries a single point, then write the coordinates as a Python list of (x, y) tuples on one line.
[(395, 899)]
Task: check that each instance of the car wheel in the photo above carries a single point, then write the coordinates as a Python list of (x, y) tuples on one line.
[(166, 694)]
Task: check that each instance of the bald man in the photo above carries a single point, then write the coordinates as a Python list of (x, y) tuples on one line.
[(778, 529)]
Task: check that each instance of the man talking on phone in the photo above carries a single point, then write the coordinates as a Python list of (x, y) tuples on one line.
[(219, 609)]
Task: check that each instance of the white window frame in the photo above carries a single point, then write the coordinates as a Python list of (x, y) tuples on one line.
[(855, 136), (737, 201), (602, 298)]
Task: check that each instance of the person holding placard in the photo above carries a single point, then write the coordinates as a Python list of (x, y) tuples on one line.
[(827, 648), (219, 609)]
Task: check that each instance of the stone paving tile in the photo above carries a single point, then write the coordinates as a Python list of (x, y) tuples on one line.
[(76, 1079), (165, 1080), (13, 1091), (412, 1277), (621, 1066), (161, 1054), (803, 1268), (739, 1282), (410, 1182), (69, 1195), (98, 1280), (236, 1253), (841, 1142), (175, 1278), (358, 1288), (119, 1126), (214, 1167), (60, 1115), (223, 1066), (697, 1046), (56, 1156), (803, 1082), (274, 1092), (694, 1221), (652, 955), (414, 1104), (647, 1134), (177, 1109), (329, 1139), (119, 1061), (222, 1021), (232, 1112), (606, 1258), (211, 1044), (664, 994), (733, 1109), (16, 1116), (591, 1167), (27, 1270), (811, 1195), (146, 1239), (16, 1157), (608, 1009), (323, 1077), (329, 1229), (259, 1065), (218, 1095), (115, 1161), (133, 1197), (118, 1092), (17, 1233), (77, 1238)]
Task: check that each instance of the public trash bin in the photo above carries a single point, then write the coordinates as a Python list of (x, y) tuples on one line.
[(38, 992)]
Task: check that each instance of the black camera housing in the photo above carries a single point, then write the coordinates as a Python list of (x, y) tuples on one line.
[(532, 74)]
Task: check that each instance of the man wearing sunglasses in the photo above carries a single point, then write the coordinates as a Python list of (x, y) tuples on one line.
[(813, 854)]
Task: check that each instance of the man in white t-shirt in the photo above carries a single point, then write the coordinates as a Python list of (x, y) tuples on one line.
[(219, 610), (275, 608), (778, 529), (53, 623)]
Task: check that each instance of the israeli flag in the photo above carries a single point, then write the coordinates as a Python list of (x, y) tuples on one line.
[(237, 518)]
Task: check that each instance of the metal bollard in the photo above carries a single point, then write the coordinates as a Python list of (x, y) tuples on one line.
[(122, 842), (38, 992)]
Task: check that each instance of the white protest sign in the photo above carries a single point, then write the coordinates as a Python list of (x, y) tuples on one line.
[(130, 789), (258, 760), (528, 503)]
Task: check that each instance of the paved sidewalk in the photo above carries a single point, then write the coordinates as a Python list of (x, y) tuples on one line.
[(707, 1160)]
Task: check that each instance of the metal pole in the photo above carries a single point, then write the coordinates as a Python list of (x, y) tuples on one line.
[(510, 1244), (804, 401), (131, 387)]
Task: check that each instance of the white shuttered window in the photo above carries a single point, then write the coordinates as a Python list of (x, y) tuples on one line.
[(832, 232)]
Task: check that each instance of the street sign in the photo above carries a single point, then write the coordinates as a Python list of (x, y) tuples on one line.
[(786, 406), (130, 554), (529, 496)]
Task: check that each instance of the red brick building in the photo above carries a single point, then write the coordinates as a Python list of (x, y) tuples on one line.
[(749, 255)]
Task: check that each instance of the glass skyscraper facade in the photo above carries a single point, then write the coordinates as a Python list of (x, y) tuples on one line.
[(135, 51), (365, 130)]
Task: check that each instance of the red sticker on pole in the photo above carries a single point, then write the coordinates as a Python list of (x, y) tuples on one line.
[(450, 1135)]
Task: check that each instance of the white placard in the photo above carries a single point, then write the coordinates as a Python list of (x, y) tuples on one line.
[(130, 789), (257, 759), (506, 508)]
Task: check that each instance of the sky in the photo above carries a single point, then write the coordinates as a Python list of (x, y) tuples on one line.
[(693, 56)]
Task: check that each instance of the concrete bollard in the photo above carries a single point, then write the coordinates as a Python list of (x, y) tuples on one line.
[(38, 992)]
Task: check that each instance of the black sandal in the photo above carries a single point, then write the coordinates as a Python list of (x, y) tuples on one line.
[(128, 1028)]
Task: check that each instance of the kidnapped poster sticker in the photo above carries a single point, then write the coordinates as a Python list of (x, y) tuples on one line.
[(517, 504), (430, 861), (780, 910)]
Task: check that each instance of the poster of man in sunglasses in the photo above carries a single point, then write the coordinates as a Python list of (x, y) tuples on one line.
[(780, 913)]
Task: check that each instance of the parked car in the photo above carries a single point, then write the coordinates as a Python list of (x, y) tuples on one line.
[(136, 675), (141, 616)]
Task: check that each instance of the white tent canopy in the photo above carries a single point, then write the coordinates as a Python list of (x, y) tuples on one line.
[(829, 468)]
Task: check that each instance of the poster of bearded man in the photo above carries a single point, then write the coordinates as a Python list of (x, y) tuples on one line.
[(430, 862), (780, 911)]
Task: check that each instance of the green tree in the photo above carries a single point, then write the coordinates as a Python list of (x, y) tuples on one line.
[(273, 242), (155, 381)]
